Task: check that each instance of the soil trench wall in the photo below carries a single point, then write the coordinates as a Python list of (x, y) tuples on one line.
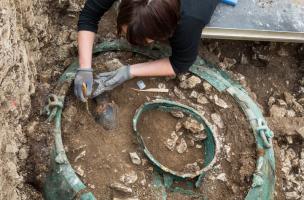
[(20, 26)]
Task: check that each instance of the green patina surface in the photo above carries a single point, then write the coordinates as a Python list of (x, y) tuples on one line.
[(63, 183)]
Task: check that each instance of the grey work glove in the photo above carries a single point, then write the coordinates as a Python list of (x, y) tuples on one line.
[(84, 76), (109, 80)]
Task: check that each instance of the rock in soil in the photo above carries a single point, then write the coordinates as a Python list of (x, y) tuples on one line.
[(179, 93), (222, 177), (298, 107), (178, 126), (129, 178), (81, 155), (192, 168), (70, 113), (182, 77), (177, 114), (277, 111), (271, 101), (199, 137), (288, 98), (301, 101), (193, 125), (227, 63), (193, 94), (171, 142), (216, 118), (290, 113), (207, 86), (79, 170), (182, 147), (190, 82), (282, 103), (202, 99), (244, 60), (121, 188), (301, 131), (23, 153), (220, 102), (135, 158)]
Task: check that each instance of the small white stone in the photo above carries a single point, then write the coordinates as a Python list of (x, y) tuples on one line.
[(23, 153), (227, 63), (292, 195), (182, 77), (11, 148), (129, 178), (271, 101), (121, 188), (80, 156), (32, 127), (192, 168), (244, 60), (300, 131), (171, 142), (135, 158), (207, 86), (182, 147), (202, 99), (177, 114), (190, 82), (282, 103), (193, 125), (289, 139), (178, 126), (79, 170), (194, 94), (290, 113), (220, 102), (143, 182), (216, 118), (222, 177), (200, 136), (179, 93), (277, 111), (161, 86)]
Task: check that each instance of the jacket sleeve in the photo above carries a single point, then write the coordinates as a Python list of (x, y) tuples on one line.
[(91, 14), (185, 43)]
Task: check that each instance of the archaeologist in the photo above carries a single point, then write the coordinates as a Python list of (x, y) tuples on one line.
[(142, 22)]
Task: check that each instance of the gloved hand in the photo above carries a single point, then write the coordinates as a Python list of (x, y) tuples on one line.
[(83, 76), (115, 78)]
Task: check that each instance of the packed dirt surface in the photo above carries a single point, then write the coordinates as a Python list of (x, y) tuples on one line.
[(171, 147), (38, 41), (104, 158)]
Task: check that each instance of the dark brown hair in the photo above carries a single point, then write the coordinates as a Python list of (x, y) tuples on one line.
[(153, 19)]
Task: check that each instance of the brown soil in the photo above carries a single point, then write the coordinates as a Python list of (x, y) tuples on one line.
[(107, 152), (156, 127)]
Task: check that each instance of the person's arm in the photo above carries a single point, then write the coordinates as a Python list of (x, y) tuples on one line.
[(161, 67), (85, 48), (87, 28)]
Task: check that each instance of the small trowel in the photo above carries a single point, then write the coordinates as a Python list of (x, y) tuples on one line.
[(84, 92)]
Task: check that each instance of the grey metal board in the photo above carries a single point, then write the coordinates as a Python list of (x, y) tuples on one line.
[(266, 20)]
